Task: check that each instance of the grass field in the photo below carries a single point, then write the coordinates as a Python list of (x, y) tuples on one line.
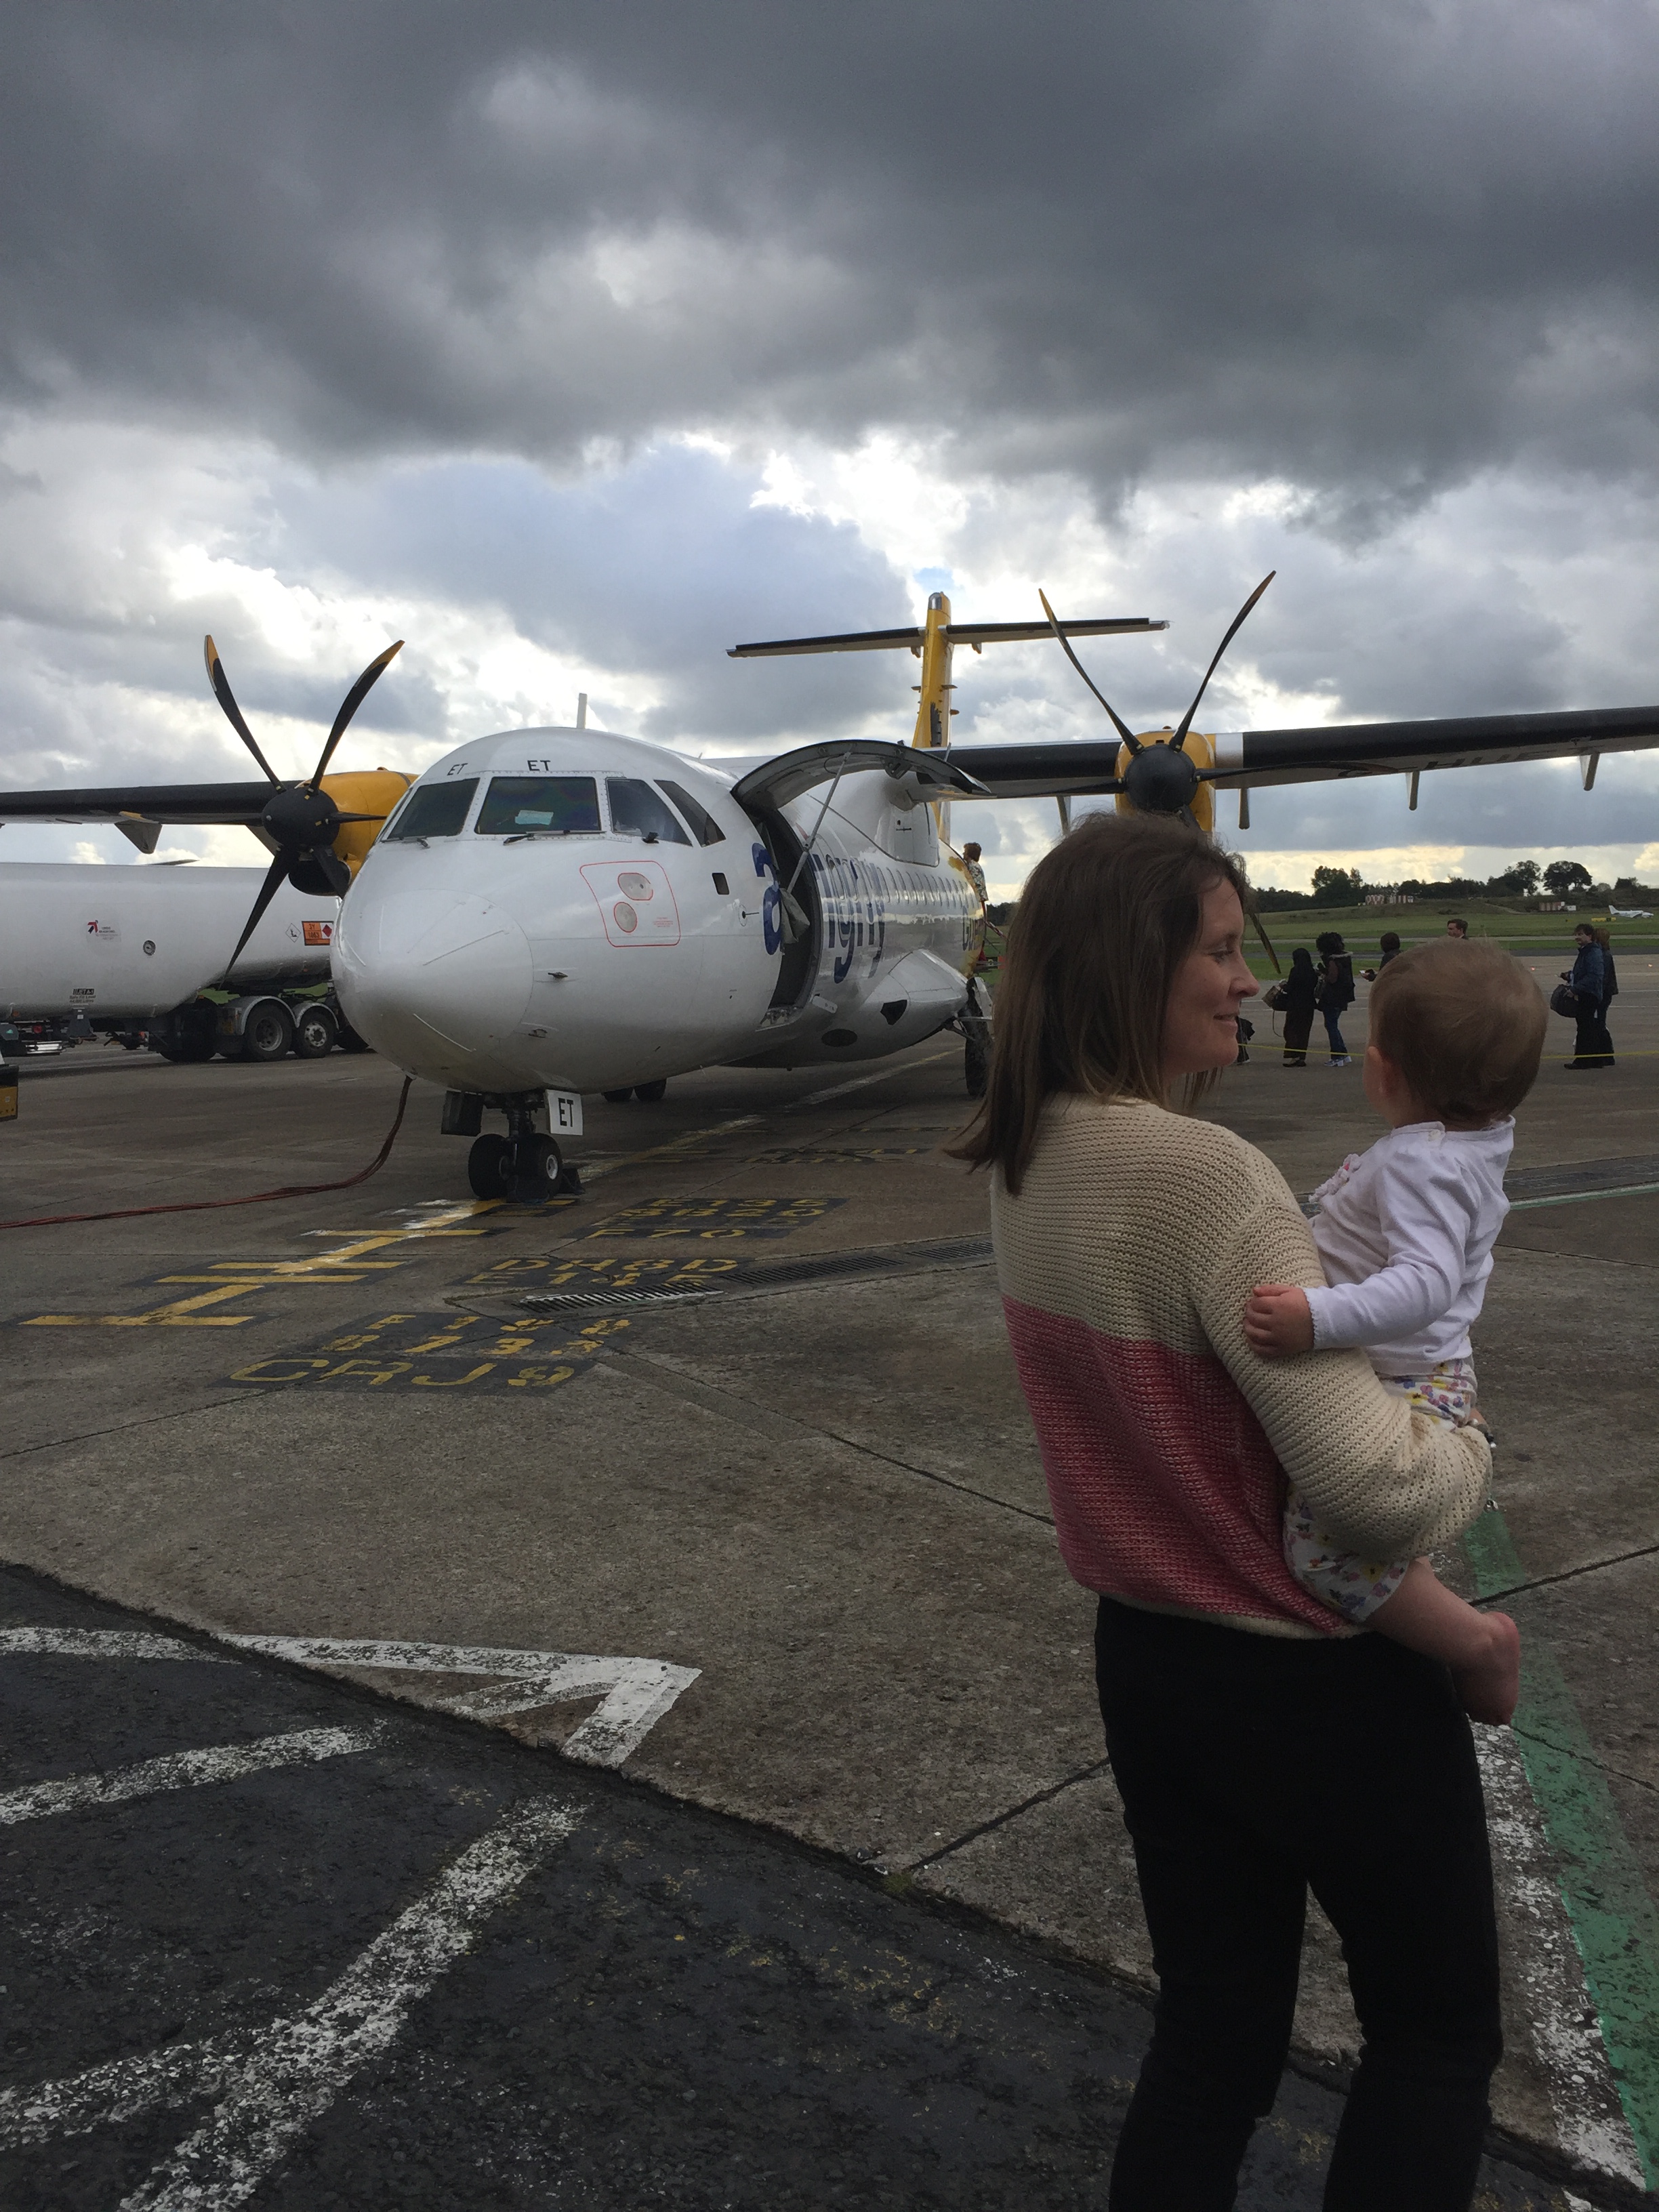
[(1361, 927)]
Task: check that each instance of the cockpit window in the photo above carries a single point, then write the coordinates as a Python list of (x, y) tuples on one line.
[(708, 831), (636, 811), (545, 805), (434, 809)]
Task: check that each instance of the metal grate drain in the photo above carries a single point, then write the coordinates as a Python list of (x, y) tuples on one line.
[(757, 1278)]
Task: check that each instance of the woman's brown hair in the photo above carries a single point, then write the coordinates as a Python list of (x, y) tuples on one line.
[(1104, 923)]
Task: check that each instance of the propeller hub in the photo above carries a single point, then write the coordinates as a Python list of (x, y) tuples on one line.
[(1159, 780), (299, 818)]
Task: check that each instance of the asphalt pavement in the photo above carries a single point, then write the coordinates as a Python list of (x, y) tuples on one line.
[(272, 1942)]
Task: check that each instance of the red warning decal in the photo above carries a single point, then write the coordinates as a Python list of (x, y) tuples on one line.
[(319, 933)]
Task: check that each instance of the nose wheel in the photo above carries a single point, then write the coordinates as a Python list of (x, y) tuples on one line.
[(490, 1167), (529, 1170)]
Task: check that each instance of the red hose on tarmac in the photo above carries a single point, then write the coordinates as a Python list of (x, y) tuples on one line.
[(257, 1198)]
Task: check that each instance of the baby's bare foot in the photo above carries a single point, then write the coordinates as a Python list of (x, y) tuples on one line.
[(1491, 1689)]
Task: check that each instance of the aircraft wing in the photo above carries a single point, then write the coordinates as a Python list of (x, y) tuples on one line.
[(199, 803), (1256, 758), (974, 633)]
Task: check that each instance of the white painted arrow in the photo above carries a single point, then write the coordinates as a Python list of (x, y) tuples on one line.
[(637, 1692)]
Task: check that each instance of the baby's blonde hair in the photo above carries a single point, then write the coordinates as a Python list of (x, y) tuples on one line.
[(1464, 1023)]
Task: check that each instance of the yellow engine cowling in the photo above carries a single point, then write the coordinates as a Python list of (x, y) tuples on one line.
[(373, 792), (1200, 751)]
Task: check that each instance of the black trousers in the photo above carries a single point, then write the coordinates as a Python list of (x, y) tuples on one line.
[(1252, 1769), (1592, 1045)]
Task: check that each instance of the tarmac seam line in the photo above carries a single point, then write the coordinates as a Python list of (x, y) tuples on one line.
[(1011, 1813), (1601, 1767), (138, 1421), (613, 1360), (1568, 1574)]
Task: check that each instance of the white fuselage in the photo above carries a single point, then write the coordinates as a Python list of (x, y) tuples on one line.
[(126, 943), (573, 910)]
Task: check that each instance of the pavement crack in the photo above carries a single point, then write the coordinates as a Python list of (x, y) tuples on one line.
[(716, 1399), (1011, 1813)]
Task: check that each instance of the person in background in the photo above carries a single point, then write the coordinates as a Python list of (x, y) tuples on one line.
[(1296, 997), (1457, 927), (1335, 992), (1390, 944), (1610, 993), (975, 873), (1587, 979), (1260, 1744)]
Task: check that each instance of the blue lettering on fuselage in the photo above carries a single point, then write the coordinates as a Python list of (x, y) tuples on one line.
[(858, 898), (772, 905)]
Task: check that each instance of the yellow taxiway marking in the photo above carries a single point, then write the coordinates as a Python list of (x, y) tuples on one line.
[(232, 1278), (180, 1313)]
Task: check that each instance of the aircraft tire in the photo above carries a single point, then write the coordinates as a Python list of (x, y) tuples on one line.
[(268, 1033), (489, 1167), (313, 1033), (617, 1097), (538, 1169), (649, 1093)]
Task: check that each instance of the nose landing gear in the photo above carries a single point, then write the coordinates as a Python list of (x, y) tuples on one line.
[(526, 1165)]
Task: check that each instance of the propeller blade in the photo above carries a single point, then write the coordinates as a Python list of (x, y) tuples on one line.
[(1122, 728), (268, 891), (1178, 740), (354, 699), (226, 698)]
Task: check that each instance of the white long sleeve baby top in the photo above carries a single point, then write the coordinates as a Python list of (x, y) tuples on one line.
[(1405, 1232)]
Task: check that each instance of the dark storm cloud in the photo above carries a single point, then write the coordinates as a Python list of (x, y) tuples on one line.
[(1371, 251), (655, 568)]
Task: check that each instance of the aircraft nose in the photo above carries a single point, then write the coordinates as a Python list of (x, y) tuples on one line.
[(411, 982)]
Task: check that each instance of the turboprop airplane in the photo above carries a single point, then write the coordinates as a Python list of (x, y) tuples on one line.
[(550, 912)]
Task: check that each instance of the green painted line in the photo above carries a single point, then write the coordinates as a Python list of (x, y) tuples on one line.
[(1583, 1197), (1611, 1914)]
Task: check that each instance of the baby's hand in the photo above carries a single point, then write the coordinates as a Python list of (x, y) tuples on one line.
[(1278, 1321)]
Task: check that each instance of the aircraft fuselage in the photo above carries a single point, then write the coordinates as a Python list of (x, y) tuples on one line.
[(573, 910)]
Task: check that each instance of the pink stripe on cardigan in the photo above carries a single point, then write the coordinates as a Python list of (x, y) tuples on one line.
[(1164, 1487)]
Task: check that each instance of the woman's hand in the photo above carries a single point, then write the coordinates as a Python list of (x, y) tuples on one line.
[(1278, 1321)]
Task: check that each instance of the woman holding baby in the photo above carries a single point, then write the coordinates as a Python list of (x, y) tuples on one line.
[(1285, 1686)]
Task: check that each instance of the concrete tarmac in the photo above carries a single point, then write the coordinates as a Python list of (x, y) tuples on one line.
[(268, 1941), (743, 1414)]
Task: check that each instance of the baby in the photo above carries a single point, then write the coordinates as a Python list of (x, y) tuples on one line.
[(1405, 1232)]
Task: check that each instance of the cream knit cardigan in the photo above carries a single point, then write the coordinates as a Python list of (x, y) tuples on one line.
[(1124, 1265)]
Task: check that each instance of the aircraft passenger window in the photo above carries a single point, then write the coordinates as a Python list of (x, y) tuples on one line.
[(636, 811), (436, 810), (708, 831), (548, 805)]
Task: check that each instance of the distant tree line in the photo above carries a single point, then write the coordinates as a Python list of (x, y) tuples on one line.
[(1522, 879)]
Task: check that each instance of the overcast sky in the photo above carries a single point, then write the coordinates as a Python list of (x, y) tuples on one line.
[(575, 346)]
